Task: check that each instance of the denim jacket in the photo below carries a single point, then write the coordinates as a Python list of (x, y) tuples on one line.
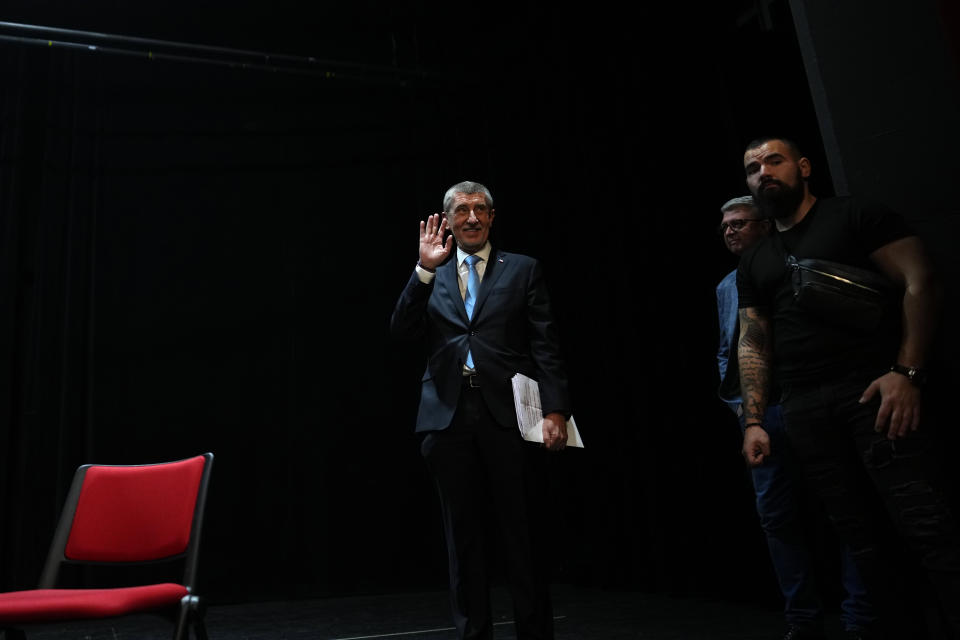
[(729, 389)]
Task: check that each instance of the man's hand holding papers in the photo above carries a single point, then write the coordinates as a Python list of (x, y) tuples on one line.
[(526, 398)]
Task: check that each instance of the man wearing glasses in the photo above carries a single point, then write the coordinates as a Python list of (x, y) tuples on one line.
[(777, 481), (483, 315)]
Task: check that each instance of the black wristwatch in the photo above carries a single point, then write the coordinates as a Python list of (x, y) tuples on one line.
[(914, 375)]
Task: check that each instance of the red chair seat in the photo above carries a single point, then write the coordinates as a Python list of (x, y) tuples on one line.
[(40, 605), (127, 515)]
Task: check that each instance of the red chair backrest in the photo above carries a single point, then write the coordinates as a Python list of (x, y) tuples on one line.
[(135, 513)]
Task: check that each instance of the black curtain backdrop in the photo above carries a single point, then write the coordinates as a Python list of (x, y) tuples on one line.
[(197, 257)]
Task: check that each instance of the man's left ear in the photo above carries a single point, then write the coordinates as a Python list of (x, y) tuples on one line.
[(804, 167)]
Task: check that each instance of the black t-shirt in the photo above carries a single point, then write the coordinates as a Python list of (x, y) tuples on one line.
[(807, 347)]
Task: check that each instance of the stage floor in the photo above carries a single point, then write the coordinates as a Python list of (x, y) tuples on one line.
[(580, 613)]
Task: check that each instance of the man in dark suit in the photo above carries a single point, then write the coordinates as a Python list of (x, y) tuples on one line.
[(484, 315)]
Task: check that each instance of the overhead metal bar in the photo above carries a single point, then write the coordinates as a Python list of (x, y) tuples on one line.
[(154, 49)]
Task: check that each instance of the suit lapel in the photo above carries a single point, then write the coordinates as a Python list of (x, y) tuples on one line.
[(495, 268), (449, 284)]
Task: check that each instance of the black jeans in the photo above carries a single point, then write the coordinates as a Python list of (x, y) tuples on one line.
[(843, 458)]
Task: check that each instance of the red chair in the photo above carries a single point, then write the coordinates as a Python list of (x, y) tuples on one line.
[(122, 515)]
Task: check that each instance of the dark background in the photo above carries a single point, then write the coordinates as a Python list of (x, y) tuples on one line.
[(200, 256)]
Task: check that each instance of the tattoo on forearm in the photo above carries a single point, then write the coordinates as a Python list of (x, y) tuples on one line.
[(754, 358), (752, 336)]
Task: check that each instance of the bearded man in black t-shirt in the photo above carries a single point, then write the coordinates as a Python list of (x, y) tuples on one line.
[(851, 396)]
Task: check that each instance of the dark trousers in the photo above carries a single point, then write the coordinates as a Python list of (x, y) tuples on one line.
[(844, 459), (778, 484), (484, 471)]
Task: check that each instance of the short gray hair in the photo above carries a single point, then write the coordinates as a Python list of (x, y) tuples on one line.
[(466, 187), (736, 203)]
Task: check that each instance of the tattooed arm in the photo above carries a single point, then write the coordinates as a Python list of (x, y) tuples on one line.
[(755, 354)]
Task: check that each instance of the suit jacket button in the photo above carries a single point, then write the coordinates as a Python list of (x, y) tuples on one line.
[(473, 333)]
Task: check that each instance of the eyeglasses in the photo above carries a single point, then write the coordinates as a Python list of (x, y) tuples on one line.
[(478, 210), (736, 225)]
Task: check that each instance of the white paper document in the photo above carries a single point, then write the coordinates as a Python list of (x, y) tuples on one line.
[(526, 398)]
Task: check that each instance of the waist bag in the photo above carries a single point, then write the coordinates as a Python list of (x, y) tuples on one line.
[(841, 294)]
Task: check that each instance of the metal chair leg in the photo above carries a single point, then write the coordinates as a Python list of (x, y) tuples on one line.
[(191, 615)]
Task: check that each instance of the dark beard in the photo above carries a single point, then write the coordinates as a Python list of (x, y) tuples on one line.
[(781, 203)]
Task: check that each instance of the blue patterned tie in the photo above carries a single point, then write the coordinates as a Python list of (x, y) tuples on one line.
[(470, 298)]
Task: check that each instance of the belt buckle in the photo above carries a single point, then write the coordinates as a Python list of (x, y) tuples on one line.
[(470, 381)]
